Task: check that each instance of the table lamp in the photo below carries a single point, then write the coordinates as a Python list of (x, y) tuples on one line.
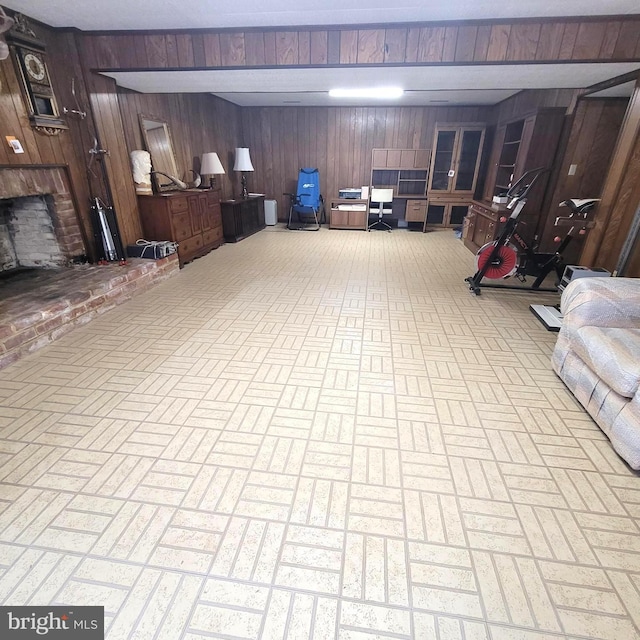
[(211, 166), (242, 164)]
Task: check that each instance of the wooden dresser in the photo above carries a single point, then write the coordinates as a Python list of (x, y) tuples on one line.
[(482, 224), (191, 218), (242, 217)]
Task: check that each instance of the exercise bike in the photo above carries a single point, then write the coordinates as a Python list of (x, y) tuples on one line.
[(510, 255)]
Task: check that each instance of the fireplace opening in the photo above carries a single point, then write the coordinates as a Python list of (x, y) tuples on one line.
[(27, 235)]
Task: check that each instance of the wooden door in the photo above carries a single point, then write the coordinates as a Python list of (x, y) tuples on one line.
[(394, 158), (421, 159), (379, 158), (480, 230), (339, 218), (205, 215), (195, 214), (407, 158)]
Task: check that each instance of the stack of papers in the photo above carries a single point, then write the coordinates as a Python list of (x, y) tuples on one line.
[(352, 207)]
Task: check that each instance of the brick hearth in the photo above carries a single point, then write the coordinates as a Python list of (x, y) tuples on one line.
[(38, 308)]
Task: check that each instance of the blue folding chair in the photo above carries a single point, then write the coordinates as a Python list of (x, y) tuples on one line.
[(307, 203)]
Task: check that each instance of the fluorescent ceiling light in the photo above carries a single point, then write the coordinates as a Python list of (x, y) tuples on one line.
[(375, 92)]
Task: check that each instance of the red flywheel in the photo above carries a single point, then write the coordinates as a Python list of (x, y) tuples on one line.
[(503, 264)]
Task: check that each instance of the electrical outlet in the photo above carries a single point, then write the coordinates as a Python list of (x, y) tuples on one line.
[(572, 169)]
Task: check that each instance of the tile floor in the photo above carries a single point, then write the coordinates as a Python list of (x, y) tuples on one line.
[(316, 435)]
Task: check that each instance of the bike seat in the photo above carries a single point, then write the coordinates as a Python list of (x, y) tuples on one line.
[(580, 206)]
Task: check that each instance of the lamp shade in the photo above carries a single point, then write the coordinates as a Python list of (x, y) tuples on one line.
[(243, 160), (211, 164)]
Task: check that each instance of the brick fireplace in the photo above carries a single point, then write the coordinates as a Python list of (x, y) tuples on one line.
[(43, 197), (42, 297), (27, 235)]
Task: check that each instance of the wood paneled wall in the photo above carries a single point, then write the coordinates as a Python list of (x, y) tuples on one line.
[(632, 269), (336, 140), (104, 104), (198, 123), (69, 147), (620, 193), (528, 101), (472, 42), (592, 138), (619, 224)]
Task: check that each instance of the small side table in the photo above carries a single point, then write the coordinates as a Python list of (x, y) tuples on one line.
[(349, 213)]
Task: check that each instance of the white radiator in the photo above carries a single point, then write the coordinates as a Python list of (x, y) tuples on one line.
[(270, 212)]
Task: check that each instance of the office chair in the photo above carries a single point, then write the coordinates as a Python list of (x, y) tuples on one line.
[(380, 203)]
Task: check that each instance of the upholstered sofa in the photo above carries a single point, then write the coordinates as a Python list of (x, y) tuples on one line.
[(598, 356)]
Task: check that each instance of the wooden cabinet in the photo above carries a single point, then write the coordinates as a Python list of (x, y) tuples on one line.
[(520, 145), (455, 160), (469, 226), (191, 218), (482, 224), (400, 158), (241, 218), (416, 211), (347, 213), (405, 171), (445, 213)]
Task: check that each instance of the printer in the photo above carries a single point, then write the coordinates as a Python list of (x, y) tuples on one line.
[(350, 193)]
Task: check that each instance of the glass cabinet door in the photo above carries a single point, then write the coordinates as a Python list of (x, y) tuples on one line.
[(443, 160), (435, 214), (456, 158), (457, 214), (468, 160)]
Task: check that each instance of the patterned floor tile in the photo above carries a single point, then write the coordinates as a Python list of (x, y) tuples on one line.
[(305, 445)]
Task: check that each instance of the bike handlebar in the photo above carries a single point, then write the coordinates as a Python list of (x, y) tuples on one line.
[(520, 188)]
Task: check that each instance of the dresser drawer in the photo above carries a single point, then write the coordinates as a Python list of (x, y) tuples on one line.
[(178, 205), (490, 233), (487, 212), (213, 216), (212, 236), (416, 210), (188, 248), (181, 225)]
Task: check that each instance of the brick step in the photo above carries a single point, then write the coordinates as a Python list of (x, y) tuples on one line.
[(36, 311)]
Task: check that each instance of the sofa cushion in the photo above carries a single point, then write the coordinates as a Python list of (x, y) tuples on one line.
[(613, 354)]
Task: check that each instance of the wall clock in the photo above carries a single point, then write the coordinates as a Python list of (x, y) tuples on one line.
[(35, 67), (31, 65)]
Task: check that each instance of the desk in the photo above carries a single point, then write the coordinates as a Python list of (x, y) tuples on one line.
[(349, 213), (242, 217)]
